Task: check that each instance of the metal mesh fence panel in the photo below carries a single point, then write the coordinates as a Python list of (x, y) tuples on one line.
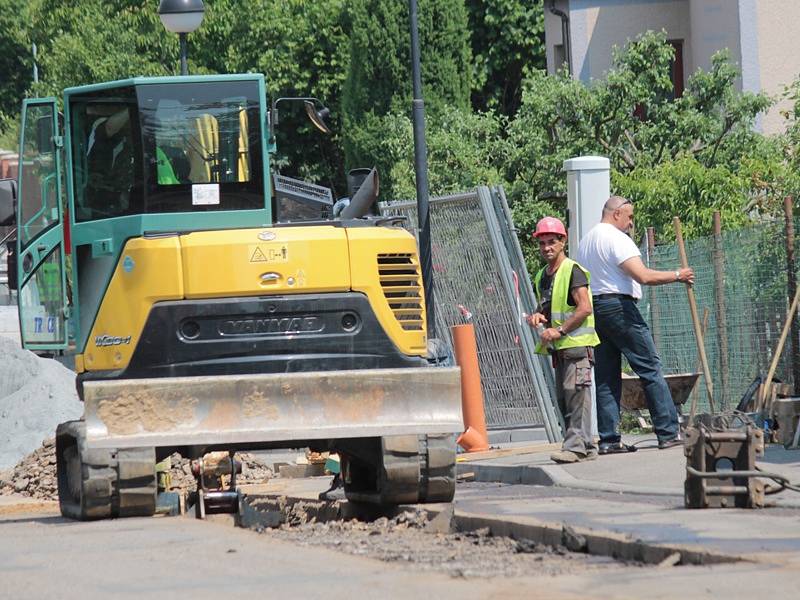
[(469, 272), (741, 292)]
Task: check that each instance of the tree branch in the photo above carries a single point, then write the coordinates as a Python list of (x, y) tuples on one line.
[(626, 157), (630, 139), (725, 131)]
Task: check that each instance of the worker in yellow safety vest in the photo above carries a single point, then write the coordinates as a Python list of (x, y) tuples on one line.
[(565, 306)]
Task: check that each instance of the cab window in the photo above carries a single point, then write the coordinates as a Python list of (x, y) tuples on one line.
[(106, 155), (202, 146), (165, 148)]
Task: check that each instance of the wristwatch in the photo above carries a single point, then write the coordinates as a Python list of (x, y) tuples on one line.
[(677, 275), (560, 330)]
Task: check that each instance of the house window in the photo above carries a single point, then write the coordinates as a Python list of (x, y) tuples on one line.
[(676, 68)]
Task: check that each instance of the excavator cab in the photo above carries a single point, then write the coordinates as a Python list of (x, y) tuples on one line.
[(208, 308), (139, 156)]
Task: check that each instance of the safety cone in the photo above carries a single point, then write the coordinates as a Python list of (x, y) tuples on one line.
[(474, 438)]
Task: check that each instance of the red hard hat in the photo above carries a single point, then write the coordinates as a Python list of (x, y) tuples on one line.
[(549, 225)]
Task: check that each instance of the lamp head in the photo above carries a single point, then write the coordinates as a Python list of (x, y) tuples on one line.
[(181, 16)]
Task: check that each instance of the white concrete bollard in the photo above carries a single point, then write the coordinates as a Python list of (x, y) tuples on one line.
[(588, 188)]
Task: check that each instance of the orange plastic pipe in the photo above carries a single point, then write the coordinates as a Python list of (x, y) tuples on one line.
[(474, 438)]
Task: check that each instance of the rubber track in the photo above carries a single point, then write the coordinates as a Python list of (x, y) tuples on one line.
[(101, 483), (413, 469), (439, 481)]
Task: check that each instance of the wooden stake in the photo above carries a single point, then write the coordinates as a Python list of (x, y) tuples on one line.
[(791, 287), (779, 348), (655, 309), (698, 364), (698, 333), (721, 311)]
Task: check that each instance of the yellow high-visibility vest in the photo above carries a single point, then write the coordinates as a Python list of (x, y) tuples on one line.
[(560, 311)]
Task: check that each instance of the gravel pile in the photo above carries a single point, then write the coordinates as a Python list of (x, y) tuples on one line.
[(36, 394), (407, 538), (35, 475)]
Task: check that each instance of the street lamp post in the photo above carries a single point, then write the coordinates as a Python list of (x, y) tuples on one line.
[(181, 17), (421, 172)]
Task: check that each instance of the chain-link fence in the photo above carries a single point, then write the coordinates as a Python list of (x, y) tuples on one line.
[(742, 300), (477, 265)]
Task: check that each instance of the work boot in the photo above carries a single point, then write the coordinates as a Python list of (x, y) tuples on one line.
[(666, 444), (615, 448), (566, 457)]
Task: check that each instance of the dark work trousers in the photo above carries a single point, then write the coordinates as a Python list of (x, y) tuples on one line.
[(573, 372), (622, 330)]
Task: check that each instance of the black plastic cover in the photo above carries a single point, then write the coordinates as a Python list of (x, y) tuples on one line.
[(270, 334)]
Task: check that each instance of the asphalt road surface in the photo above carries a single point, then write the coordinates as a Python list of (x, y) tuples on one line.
[(44, 556)]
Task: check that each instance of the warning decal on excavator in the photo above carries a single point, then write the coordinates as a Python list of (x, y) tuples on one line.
[(269, 253)]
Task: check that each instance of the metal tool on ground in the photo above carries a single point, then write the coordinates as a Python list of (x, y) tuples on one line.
[(721, 471), (698, 333), (212, 497), (765, 387), (716, 452)]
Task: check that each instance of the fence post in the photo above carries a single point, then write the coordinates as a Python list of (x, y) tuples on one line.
[(655, 310), (791, 286), (721, 314)]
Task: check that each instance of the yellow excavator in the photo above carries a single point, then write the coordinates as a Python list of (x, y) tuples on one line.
[(214, 305)]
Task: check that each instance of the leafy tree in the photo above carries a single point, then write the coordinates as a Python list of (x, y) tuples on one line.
[(507, 45), (465, 150), (662, 191), (15, 56), (379, 77), (99, 40), (632, 118), (302, 49)]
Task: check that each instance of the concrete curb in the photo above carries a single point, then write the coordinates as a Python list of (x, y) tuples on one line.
[(263, 511), (553, 475), (598, 543)]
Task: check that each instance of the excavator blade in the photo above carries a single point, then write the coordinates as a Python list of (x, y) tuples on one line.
[(276, 407)]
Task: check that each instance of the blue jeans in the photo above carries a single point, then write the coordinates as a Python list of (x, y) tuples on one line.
[(622, 330)]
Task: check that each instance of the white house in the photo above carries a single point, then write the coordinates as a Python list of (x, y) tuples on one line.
[(763, 37)]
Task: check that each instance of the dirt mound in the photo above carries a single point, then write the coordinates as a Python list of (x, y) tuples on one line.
[(35, 475), (36, 394)]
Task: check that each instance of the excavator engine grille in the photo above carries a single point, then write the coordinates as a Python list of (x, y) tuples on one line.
[(402, 288)]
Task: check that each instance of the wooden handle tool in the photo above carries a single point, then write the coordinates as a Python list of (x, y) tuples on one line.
[(698, 332)]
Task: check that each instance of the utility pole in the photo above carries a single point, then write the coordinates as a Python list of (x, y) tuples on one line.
[(421, 173)]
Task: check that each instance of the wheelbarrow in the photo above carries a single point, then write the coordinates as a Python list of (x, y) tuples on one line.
[(680, 386)]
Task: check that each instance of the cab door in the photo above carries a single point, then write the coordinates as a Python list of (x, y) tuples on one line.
[(40, 233)]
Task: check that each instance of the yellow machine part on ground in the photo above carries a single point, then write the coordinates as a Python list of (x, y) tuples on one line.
[(379, 262)]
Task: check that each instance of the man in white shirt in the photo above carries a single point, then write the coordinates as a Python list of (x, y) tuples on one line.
[(617, 271)]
